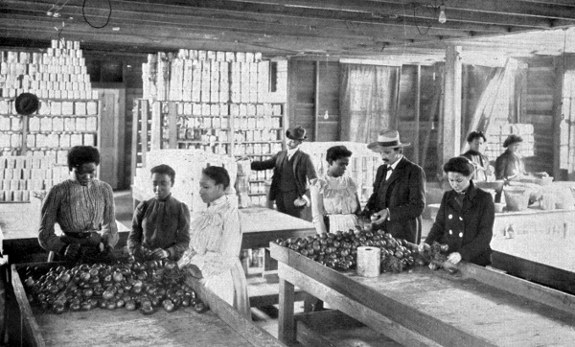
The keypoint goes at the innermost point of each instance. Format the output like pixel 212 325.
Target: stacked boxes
pixel 21 177
pixel 213 77
pixel 68 112
pixel 57 73
pixel 497 135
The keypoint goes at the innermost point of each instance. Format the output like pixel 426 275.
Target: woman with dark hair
pixel 510 165
pixel 483 171
pixel 160 226
pixel 334 199
pixel 83 206
pixel 215 241
pixel 465 218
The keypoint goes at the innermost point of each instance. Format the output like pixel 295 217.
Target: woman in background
pixel 335 203
pixel 215 241
pixel 509 165
pixel 483 171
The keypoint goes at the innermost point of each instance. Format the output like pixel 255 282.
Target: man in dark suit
pixel 292 171
pixel 398 195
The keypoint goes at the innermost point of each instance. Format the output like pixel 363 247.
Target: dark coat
pixel 404 195
pixel 508 164
pixel 303 170
pixel 467 230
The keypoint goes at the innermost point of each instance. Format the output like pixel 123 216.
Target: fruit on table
pixel 144 286
pixel 339 250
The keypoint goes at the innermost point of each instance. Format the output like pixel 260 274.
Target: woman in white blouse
pixel 334 199
pixel 215 241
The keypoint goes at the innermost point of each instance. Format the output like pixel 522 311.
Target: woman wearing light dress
pixel 215 241
pixel 335 203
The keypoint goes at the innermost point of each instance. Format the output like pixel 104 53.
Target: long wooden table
pixel 221 326
pixel 432 308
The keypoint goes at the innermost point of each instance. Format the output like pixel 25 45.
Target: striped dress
pixel 77 208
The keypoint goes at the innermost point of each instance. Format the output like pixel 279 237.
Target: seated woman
pixel 509 165
pixel 334 199
pixel 215 241
pixel 483 171
pixel 465 218
pixel 160 226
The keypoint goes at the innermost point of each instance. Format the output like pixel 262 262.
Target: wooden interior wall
pixel 305 108
pixel 328 124
pixel 301 95
pixel 539 108
pixel 428 115
pixel 125 70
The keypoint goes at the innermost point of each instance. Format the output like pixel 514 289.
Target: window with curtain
pixel 368 101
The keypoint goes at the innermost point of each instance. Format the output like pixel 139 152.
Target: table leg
pixel 286 323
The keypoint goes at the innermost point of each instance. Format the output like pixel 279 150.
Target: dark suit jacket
pixel 467 230
pixel 404 195
pixel 302 168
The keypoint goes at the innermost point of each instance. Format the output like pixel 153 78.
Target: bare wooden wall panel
pixel 541 81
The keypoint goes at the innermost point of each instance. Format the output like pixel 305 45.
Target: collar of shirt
pixel 394 165
pixel 291 152
pixel 219 201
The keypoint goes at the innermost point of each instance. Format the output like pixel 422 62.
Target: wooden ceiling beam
pixel 162 36
pixel 334 30
pixel 404 28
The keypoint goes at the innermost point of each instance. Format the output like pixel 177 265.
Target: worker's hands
pixel 380 217
pixel 72 251
pixel 158 254
pixel 302 201
pixel 194 271
pixel 423 247
pixel 454 258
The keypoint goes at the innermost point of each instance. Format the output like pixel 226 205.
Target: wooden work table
pixel 432 308
pixel 221 326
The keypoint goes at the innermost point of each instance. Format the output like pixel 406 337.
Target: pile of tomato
pixel 339 250
pixel 131 286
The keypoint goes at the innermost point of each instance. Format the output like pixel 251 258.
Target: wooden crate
pixel 221 326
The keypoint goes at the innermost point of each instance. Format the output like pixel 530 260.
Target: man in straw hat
pixel 398 195
pixel 292 171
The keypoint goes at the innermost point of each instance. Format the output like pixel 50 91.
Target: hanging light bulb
pixel 442 17
pixel 326 115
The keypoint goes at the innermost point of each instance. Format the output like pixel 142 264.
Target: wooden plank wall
pixel 541 82
pixel 427 110
pixel 302 101
pixel 328 100
pixel 127 70
pixel 301 95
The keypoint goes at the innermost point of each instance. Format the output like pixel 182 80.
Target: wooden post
pixel 558 114
pixel 144 131
pixel 286 324
pixel 316 103
pixel 156 126
pixel 135 118
pixel 172 125
pixel 416 148
pixel 451 130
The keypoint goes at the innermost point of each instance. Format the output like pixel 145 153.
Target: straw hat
pixel 387 139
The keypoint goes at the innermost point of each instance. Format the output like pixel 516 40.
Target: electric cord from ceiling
pixel 96 26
